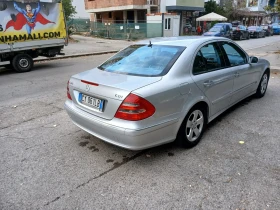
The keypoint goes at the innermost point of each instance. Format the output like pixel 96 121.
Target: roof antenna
pixel 150 44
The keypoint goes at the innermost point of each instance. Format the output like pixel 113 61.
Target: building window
pixel 167 24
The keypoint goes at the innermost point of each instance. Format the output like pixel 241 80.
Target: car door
pixel 212 77
pixel 245 75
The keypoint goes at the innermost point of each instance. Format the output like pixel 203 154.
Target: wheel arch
pixel 268 72
pixel 202 103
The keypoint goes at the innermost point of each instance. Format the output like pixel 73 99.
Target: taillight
pixel 135 108
pixel 68 92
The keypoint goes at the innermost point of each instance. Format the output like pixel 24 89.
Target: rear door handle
pixel 208 83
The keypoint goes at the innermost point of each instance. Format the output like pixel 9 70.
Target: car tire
pixel 22 63
pixel 248 37
pixel 196 119
pixel 240 37
pixel 263 85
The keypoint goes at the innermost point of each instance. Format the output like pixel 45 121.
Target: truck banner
pixel 22 21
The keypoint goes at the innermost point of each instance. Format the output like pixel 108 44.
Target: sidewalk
pixel 270 53
pixel 87 45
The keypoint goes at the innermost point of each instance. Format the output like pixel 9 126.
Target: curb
pixel 75 56
pixel 275 69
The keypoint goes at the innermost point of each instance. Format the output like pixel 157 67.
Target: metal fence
pixel 131 31
pixel 124 31
pixel 79 25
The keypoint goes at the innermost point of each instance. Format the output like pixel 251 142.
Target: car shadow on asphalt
pixel 170 148
pixel 232 109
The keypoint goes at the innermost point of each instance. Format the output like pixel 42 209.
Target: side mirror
pixel 254 60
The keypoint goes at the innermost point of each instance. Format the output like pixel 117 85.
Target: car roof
pixel 223 24
pixel 183 41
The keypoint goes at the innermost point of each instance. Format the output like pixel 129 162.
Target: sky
pixel 80 8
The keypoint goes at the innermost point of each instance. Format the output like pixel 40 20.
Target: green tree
pixel 212 6
pixel 233 9
pixel 274 9
pixel 69 9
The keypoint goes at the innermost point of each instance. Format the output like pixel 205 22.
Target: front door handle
pixel 208 83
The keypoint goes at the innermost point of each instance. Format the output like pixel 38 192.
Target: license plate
pixel 91 101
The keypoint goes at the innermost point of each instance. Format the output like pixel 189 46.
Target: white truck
pixel 29 29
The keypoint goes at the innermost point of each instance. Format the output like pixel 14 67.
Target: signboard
pixel 263 3
pixel 241 4
pixel 253 3
pixel 35 20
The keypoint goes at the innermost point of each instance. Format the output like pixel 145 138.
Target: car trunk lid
pixel 101 93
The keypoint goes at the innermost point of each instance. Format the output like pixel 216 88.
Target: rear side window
pixel 209 58
pixel 199 65
pixel 234 54
pixel 143 60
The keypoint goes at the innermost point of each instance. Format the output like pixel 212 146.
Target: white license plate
pixel 91 101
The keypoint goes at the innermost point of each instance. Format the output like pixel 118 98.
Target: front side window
pixel 199 65
pixel 209 52
pixel 234 54
pixel 143 60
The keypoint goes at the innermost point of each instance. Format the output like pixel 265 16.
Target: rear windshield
pixel 143 60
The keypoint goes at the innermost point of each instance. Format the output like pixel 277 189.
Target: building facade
pixel 136 11
pixel 252 12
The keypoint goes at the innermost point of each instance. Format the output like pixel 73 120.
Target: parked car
pixel 215 31
pixel 276 29
pixel 268 30
pixel 240 32
pixel 220 29
pixel 153 93
pixel 227 27
pixel 256 31
pixel 236 23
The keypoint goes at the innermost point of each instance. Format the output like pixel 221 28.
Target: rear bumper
pixel 253 34
pixel 126 138
pixel 235 36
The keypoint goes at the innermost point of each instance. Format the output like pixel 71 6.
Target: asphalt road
pixel 46 162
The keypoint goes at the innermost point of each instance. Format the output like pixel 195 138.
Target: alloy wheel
pixel 264 83
pixel 194 125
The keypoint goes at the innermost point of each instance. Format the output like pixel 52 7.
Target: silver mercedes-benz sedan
pixel 152 93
